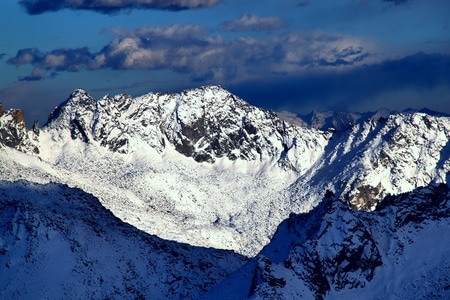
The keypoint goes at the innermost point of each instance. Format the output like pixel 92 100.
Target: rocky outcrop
pixel 14 132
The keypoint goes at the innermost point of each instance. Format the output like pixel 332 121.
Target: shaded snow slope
pixel 399 251
pixel 60 242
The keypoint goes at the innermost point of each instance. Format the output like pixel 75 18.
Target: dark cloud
pixel 396 2
pixel 189 49
pixel 2 55
pixel 303 3
pixel 415 80
pixel 64 59
pixel 253 23
pixel 26 56
pixel 36 75
pixel 35 7
pixel 173 33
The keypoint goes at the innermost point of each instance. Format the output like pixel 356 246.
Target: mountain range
pixel 247 203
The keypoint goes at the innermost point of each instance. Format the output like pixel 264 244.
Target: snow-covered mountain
pixel 340 120
pixel 203 168
pixel 58 242
pixel 206 168
pixel 399 251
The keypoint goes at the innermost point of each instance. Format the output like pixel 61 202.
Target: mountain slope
pixel 129 153
pixel 399 251
pixel 60 242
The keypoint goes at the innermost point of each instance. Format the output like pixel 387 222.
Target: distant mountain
pixel 61 243
pixel 399 251
pixel 340 120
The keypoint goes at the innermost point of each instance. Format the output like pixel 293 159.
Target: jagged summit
pixel 206 124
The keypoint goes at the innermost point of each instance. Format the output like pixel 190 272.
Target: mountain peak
pixel 80 96
pixel 205 123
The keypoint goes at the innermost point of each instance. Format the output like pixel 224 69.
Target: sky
pixel 294 55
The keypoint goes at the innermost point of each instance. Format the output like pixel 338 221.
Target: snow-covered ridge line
pixel 207 124
pixel 383 157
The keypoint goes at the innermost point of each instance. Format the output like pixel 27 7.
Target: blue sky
pixel 295 55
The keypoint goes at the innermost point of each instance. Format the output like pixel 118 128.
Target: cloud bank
pixel 35 7
pixel 417 80
pixel 190 49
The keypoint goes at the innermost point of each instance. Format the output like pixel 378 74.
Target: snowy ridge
pixel 380 157
pixel 205 168
pixel 60 242
pixel 399 251
pixel 206 124
pixel 143 155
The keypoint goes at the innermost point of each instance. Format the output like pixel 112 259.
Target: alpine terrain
pixel 199 194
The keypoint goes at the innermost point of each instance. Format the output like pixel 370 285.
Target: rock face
pixel 333 252
pixel 14 132
pixel 60 242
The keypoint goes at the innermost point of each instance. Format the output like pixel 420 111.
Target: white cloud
pixel 253 23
